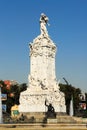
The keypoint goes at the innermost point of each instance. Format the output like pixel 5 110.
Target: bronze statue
pixel 51 111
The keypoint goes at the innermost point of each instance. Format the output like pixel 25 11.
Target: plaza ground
pixel 43 126
pixel 43 129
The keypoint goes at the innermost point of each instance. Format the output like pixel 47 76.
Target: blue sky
pixel 19 25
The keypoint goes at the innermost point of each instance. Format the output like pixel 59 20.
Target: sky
pixel 19 25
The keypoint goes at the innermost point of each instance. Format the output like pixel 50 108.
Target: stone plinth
pixel 52 121
pixel 42 80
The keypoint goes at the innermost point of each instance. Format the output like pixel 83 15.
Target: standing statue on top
pixel 43 21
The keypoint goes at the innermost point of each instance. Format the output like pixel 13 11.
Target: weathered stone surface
pixel 43 85
pixel 52 121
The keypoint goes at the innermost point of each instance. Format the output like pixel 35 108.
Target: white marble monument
pixel 43 86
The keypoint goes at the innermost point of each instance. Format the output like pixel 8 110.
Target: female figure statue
pixel 43 21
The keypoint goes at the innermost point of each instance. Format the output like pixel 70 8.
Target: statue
pixel 43 21
pixel 51 111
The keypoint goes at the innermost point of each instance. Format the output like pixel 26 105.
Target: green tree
pixel 70 91
pixel 13 93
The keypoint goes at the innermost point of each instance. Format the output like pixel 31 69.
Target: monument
pixel 43 86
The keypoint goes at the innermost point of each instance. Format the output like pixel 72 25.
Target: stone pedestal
pixel 52 121
pixel 42 80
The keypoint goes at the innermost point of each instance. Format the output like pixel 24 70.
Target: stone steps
pixel 40 117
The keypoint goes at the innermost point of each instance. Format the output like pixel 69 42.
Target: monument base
pixel 33 100
pixel 40 117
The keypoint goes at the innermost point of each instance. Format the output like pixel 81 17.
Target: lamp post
pixel 0 106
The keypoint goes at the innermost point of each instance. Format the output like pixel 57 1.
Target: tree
pixel 70 91
pixel 13 92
